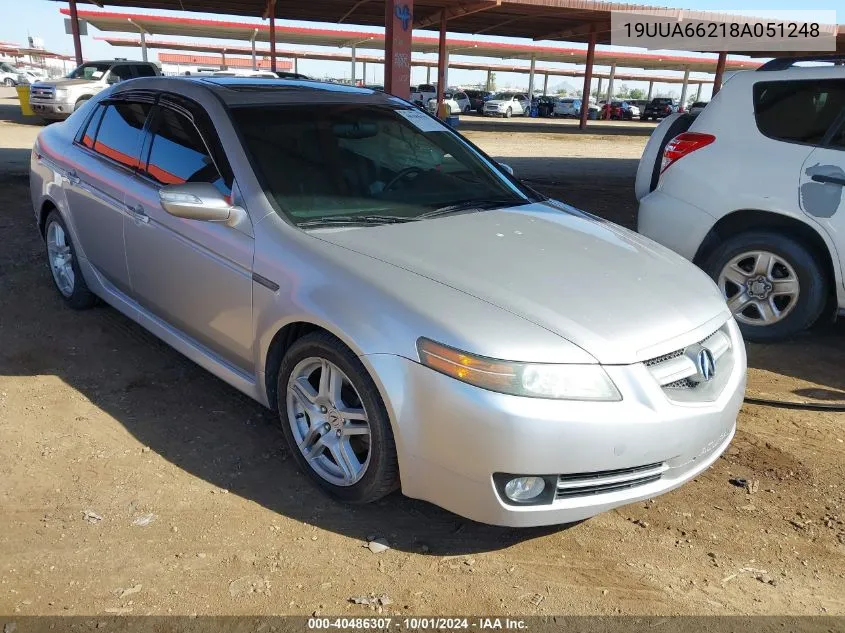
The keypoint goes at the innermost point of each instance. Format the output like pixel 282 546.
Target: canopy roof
pixel 422 43
pixel 219 49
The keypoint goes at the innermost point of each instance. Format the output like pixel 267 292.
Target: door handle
pixel 138 212
pixel 831 180
pixel 73 177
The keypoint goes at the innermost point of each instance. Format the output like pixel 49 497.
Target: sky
pixel 41 18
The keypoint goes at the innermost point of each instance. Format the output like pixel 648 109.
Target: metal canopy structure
pixel 421 43
pixel 226 52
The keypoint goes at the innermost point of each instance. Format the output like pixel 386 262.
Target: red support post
pixel 720 70
pixel 398 31
pixel 442 60
pixel 588 80
pixel 271 13
pixel 74 27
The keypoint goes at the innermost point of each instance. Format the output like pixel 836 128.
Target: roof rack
pixel 784 63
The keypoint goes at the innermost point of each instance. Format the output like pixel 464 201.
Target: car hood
pixel 612 292
pixel 496 102
pixel 66 83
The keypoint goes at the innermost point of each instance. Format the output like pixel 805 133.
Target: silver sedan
pixel 418 318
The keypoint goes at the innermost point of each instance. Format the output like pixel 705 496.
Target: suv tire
pixel 811 277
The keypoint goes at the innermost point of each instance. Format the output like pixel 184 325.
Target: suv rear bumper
pixel 674 223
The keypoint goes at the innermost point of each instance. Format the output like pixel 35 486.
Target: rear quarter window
pixel 798 111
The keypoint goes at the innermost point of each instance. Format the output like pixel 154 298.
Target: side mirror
pixel 507 168
pixel 199 201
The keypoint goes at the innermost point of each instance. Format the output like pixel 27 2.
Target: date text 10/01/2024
pixel 415 623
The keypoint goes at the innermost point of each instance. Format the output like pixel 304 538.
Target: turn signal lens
pixel 560 382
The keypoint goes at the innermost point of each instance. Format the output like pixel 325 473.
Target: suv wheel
pixel 335 421
pixel 79 103
pixel 774 286
pixel 9 82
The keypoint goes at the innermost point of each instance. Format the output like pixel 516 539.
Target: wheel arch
pixel 47 205
pixel 753 219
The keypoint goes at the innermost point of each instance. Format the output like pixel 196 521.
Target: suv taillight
pixel 683 145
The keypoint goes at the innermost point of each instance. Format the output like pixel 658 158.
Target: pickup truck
pixel 422 93
pixel 57 99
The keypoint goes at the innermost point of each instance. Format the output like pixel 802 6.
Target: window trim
pixel 824 142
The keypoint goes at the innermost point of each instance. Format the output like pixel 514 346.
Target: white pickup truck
pixel 422 93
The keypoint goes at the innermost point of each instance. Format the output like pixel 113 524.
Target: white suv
pixel 751 190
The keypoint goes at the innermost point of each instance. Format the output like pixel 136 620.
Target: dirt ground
pixel 135 482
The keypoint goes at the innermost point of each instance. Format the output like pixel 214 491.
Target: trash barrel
pixel 23 97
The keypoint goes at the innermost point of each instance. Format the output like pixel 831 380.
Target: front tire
pixel 335 421
pixel 64 265
pixel 9 82
pixel 508 113
pixel 774 286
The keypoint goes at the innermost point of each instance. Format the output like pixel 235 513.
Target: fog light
pixel 524 488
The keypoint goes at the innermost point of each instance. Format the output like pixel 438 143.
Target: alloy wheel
pixel 60 258
pixel 329 421
pixel 761 288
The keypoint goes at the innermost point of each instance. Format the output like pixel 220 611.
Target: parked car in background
pixel 9 74
pixel 29 76
pixel 286 74
pixel 244 72
pixel 619 110
pixel 659 108
pixel 378 87
pixel 58 98
pixel 697 107
pixel 457 102
pixel 567 107
pixel 477 99
pixel 546 105
pixel 404 307
pixel 506 104
pixel 423 93
pixel 751 190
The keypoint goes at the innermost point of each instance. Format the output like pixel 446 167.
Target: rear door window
pixel 798 111
pixel 121 72
pixel 144 70
pixel 121 131
pixel 178 153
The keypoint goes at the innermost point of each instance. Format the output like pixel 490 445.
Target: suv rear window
pixel 798 111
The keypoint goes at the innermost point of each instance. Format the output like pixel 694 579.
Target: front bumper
pixel 51 109
pixel 452 438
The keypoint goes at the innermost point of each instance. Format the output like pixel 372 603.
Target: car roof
pixel 262 90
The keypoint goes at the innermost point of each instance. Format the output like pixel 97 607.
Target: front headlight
pixel 559 382
pixel 61 94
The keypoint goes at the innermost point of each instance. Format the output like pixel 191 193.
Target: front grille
pixel 675 371
pixel 604 481
pixel 41 92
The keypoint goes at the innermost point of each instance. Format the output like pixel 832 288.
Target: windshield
pixel 94 70
pixel 503 96
pixel 350 161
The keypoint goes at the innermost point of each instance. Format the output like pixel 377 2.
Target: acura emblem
pixel 705 364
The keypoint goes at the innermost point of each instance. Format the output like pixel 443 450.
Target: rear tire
pixel 323 426
pixel 792 263
pixel 64 265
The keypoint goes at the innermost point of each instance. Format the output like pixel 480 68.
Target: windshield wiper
pixel 476 204
pixel 351 220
